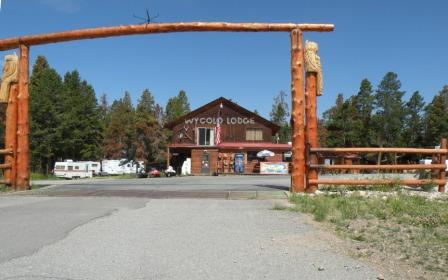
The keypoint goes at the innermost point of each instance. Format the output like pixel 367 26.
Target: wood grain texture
pixel 311 126
pixel 23 129
pixel 122 30
pixel 11 135
pixel 409 182
pixel 297 113
pixel 442 175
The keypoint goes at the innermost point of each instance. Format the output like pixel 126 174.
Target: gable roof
pixel 229 104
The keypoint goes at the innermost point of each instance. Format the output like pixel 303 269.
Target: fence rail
pixel 410 182
pixel 438 166
pixel 380 150
pixel 5 151
pixel 379 167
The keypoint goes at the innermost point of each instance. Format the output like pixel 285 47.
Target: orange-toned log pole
pixel 410 182
pixel 311 126
pixel 297 113
pixel 381 167
pixel 443 145
pixel 23 171
pixel 380 150
pixel 11 135
pixel 103 32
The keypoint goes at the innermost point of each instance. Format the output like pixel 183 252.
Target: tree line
pixel 375 118
pixel 68 122
pixel 382 118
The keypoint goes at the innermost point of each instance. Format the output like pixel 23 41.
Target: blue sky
pixel 370 39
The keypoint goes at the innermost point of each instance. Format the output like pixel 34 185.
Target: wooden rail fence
pixel 438 165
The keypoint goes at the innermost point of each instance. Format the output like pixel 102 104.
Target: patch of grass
pixel 428 187
pixel 4 188
pixel 41 176
pixel 382 188
pixel 412 228
pixel 126 176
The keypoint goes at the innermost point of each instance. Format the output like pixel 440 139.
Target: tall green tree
pixel 176 107
pixel 389 112
pixel 342 124
pixel 120 133
pixel 80 128
pixel 363 102
pixel 45 95
pixel 280 116
pixel 149 134
pixel 413 125
pixel 436 118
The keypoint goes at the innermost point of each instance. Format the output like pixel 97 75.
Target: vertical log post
pixel 443 145
pixel 297 113
pixel 311 127
pixel 23 171
pixel 11 135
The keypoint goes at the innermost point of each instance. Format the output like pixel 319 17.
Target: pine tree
pixel 436 118
pixel 80 129
pixel 45 95
pixel 389 113
pixel 176 107
pixel 413 130
pixel 363 103
pixel 120 133
pixel 279 115
pixel 146 140
pixel 342 124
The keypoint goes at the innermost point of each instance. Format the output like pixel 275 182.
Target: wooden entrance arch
pixel 16 165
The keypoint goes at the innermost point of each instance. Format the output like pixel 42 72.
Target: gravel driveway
pixel 130 238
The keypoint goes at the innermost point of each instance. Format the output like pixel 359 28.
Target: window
pixel 287 157
pixel 94 165
pixel 59 167
pixel 252 156
pixel 254 134
pixel 206 136
pixel 70 167
pixel 76 167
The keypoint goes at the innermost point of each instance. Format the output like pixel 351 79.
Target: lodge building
pixel 222 137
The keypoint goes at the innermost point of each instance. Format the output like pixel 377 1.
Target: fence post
pixel 442 157
pixel 311 127
pixel 11 135
pixel 297 113
pixel 23 160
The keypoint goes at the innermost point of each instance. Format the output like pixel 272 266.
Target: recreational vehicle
pixel 72 170
pixel 94 166
pixel 120 167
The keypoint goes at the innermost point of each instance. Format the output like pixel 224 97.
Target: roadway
pixel 90 229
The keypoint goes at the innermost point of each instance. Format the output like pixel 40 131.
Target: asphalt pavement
pixel 218 187
pixel 141 238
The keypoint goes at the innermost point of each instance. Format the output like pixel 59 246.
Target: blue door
pixel 239 163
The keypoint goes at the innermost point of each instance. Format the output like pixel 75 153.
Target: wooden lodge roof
pixel 225 102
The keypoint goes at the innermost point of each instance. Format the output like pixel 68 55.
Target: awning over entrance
pixel 254 146
pixel 238 145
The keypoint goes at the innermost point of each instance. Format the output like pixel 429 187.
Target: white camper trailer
pixel 94 166
pixel 120 167
pixel 72 170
